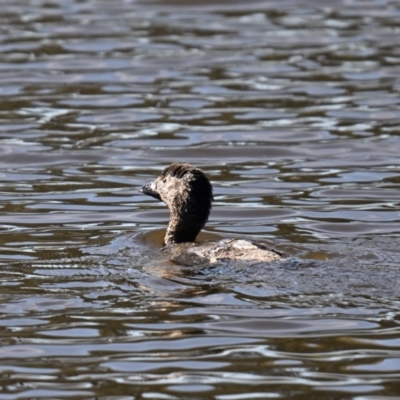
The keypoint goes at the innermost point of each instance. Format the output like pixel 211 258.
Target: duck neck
pixel 188 214
pixel 182 229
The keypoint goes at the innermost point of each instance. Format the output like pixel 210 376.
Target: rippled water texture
pixel 292 109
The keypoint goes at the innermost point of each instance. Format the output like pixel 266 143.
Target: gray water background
pixel 292 110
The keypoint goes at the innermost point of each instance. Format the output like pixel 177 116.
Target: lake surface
pixel 291 108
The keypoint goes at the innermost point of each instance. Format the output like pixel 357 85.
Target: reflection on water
pixel 290 107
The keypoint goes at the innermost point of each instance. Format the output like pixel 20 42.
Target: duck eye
pixel 164 180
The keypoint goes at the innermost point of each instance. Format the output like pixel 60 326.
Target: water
pixel 290 107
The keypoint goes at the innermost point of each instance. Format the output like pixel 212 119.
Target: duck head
pixel 187 192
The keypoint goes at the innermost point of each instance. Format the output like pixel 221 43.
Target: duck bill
pixel 150 190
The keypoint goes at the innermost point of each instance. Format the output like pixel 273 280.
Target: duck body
pixel 187 192
pixel 238 251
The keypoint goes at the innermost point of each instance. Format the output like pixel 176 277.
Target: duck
pixel 188 194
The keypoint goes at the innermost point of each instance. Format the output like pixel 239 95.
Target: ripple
pixel 290 108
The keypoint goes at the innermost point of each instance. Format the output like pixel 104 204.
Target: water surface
pixel 291 108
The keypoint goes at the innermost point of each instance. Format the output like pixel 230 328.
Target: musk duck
pixel 188 194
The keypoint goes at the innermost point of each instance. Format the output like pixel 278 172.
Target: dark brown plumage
pixel 188 194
